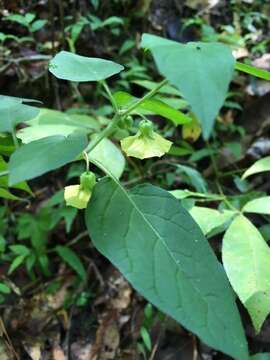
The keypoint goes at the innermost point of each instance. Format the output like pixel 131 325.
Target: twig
pixel 110 95
pixel 54 82
pixel 61 13
pixel 155 348
pixel 76 295
pixel 27 58
pixel 4 331
pixel 146 97
pixel 77 238
pixel 195 348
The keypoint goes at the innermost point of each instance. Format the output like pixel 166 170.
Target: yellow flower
pixel 76 196
pixel 146 143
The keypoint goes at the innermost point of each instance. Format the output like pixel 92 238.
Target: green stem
pixel 217 176
pixel 110 95
pixel 71 45
pixel 213 160
pixel 15 140
pixel 118 116
pixel 86 160
pixel 143 99
pixel 232 172
pixel 104 133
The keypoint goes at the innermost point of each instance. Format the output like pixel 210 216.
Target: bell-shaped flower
pixel 76 196
pixel 146 143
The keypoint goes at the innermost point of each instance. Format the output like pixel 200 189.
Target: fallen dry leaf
pixel 262 62
pixel 240 53
pixel 33 350
pixel 107 339
pixel 201 4
pixel 81 350
pixel 123 294
pixel 5 353
pixel 58 353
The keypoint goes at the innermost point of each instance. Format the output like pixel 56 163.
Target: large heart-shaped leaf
pixel 201 71
pixel 246 258
pixel 160 249
pixel 40 156
pixel 68 66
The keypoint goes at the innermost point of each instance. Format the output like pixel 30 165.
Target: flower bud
pixel 88 180
pixel 146 128
pixel 78 196
pixel 126 123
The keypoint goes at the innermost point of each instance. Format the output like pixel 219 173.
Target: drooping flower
pixel 76 196
pixel 79 195
pixel 146 143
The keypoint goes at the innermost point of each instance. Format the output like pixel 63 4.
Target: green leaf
pixel 6 144
pixel 30 261
pixel 13 111
pixel 72 67
pixel 22 20
pixel 33 133
pixel 68 213
pixel 70 257
pixel 109 155
pixel 259 206
pixel 146 338
pixel 259 166
pixel 16 263
pixel 265 231
pixel 159 248
pixel 54 117
pixel 4 180
pixel 201 71
pixel 95 3
pixel 260 73
pixel 179 151
pixel 194 177
pixel 6 194
pixel 29 17
pixel 40 156
pixel 153 106
pixel 2 244
pixel 246 258
pixel 4 289
pixel 261 356
pixel 56 199
pixel 150 85
pixel 44 264
pixel 182 194
pixel 19 249
pixel 38 24
pixel 210 219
